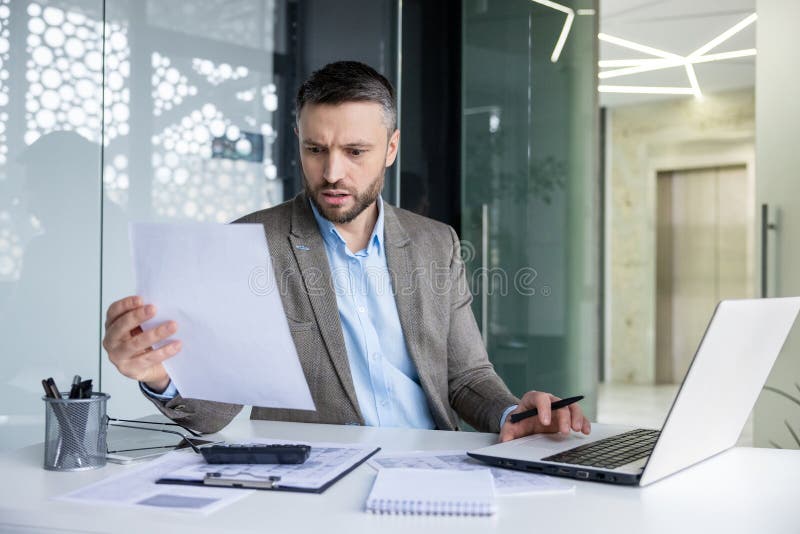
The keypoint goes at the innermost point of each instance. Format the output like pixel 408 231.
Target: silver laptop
pixel 721 386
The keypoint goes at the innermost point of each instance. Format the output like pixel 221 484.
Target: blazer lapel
pixel 312 259
pixel 408 296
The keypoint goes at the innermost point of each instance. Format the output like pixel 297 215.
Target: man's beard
pixel 362 200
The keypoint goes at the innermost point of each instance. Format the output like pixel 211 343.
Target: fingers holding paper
pixel 130 348
pixel 563 420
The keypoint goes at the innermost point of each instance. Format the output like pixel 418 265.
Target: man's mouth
pixel 335 197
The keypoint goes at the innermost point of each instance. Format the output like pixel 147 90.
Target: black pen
pixel 75 390
pixel 47 391
pixel 55 393
pixel 85 389
pixel 517 417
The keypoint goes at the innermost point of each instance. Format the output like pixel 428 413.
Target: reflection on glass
pixel 193 101
pixel 65 74
pixel 5 46
pixel 201 140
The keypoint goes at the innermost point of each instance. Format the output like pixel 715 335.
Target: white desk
pixel 740 491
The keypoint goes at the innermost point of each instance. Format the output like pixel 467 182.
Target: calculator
pixel 256 454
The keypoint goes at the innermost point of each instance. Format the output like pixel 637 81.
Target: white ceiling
pixel 679 27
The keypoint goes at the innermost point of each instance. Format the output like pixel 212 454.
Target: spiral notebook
pixel 432 492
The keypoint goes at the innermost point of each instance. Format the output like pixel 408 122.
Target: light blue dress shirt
pixel 385 379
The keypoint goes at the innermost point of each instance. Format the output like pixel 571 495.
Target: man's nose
pixel 334 168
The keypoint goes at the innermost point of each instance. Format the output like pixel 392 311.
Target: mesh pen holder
pixel 75 433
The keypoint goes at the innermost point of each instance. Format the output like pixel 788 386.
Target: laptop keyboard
pixel 610 452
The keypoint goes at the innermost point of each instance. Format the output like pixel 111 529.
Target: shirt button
pixel 384 403
pixel 376 357
pixel 361 309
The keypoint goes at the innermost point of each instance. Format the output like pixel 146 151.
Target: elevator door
pixel 702 248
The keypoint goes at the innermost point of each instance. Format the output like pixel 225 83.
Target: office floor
pixel 645 406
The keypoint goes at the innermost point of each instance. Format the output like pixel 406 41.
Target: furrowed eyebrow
pixel 359 144
pixel 355 144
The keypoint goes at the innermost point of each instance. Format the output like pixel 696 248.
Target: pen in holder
pixel 75 433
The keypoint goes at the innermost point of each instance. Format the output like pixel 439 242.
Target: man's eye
pixel 356 152
pixel 314 149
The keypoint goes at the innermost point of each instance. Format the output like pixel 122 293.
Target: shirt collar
pixel 332 236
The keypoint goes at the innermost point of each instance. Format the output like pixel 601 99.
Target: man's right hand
pixel 130 348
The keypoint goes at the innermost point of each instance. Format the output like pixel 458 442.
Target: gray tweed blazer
pixel 433 302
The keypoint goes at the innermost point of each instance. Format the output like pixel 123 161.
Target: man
pixel 376 297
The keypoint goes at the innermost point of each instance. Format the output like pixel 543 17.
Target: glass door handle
pixel 485 274
pixel 766 226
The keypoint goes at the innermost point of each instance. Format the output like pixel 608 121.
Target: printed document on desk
pixel 217 283
pixel 506 481
pixel 327 463
pixel 136 486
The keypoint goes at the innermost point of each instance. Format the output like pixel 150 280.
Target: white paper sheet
pixel 506 481
pixel 217 283
pixel 136 487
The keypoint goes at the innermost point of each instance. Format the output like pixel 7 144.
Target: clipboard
pixel 214 475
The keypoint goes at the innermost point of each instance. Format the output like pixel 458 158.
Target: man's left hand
pixel 547 421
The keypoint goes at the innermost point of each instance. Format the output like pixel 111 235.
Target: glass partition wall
pixel 51 79
pixel 130 110
pixel 529 208
pixel 201 123
pixel 196 98
pixel 111 112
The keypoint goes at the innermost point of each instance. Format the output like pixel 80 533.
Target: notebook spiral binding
pixel 419 507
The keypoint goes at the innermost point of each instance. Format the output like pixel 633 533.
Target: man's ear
pixel 394 145
pixel 296 133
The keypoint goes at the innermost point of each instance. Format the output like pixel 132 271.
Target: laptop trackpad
pixel 550 442
pixel 546 444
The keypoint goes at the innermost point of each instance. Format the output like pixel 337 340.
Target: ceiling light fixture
pixel 658 64
pixel 609 63
pixel 647 90
pixel 724 55
pixel 635 66
pixel 724 36
pixel 562 38
pixel 693 81
pixel 666 60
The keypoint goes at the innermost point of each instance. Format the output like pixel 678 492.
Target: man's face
pixel 344 151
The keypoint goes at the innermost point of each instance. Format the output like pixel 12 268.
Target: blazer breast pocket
pixel 301 326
